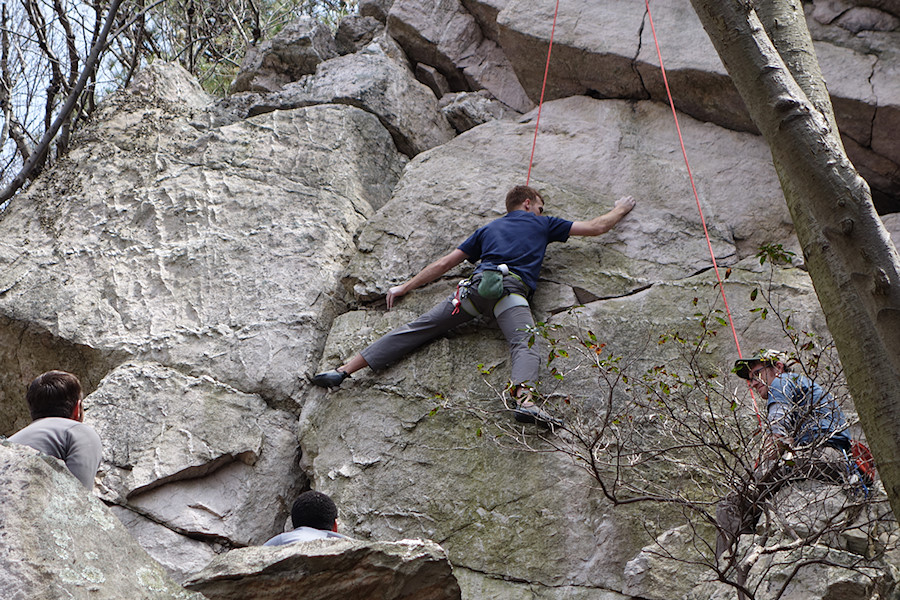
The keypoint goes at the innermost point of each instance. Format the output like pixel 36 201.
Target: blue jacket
pixel 799 408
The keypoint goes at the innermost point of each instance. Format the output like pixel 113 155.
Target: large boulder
pixel 329 569
pixel 443 35
pixel 589 152
pixel 369 80
pixel 465 110
pixel 606 49
pixel 295 51
pixel 212 250
pixel 211 462
pixel 61 542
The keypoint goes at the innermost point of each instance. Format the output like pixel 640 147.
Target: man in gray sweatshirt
pixel 55 402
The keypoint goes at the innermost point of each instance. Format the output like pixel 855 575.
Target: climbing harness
pixel 509 301
pixel 505 301
pixel 461 299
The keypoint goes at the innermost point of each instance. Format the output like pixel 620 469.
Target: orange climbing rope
pixel 683 153
pixel 687 164
pixel 543 87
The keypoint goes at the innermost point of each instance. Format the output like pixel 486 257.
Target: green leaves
pixel 775 254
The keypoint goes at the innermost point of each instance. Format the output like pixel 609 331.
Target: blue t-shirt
pixel 800 408
pixel 519 240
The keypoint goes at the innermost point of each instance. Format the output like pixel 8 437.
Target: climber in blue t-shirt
pixel 509 251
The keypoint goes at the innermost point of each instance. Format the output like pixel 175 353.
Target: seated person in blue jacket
pixel 314 517
pixel 510 250
pixel 807 426
pixel 55 402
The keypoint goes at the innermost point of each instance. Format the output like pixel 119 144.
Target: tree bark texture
pixel 852 262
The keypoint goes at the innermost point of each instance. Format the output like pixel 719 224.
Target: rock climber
pixel 810 438
pixel 510 250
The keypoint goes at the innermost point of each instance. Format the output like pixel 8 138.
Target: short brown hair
pixel 518 195
pixel 53 394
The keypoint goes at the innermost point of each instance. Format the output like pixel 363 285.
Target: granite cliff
pixel 195 259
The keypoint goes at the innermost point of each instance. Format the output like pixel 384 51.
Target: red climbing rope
pixel 686 163
pixel 541 102
pixel 697 196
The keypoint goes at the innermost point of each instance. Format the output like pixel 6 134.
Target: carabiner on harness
pixel 462 290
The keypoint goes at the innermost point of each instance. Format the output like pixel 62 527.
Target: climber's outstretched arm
pixel 426 275
pixel 604 223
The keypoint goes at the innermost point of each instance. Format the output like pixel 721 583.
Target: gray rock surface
pixel 485 13
pixel 372 81
pixel 329 569
pixel 444 35
pixel 294 52
pixel 215 251
pixel 892 224
pixel 61 542
pixel 180 555
pixel 355 32
pixel 465 110
pixel 208 460
pixel 653 576
pixel 377 9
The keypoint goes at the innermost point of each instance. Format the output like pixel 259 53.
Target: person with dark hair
pixel 509 251
pixel 313 516
pixel 810 441
pixel 55 402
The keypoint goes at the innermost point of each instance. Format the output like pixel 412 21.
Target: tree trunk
pixel 852 263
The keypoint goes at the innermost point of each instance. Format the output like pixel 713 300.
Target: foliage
pixel 45 47
pixel 209 39
pixel 677 431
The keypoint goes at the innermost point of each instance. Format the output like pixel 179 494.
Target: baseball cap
pixel 766 355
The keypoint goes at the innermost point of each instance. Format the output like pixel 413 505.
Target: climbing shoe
pixel 330 379
pixel 537 415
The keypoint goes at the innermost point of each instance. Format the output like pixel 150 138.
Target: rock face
pixel 502 520
pixel 194 260
pixel 580 168
pixel 60 542
pixel 445 36
pixel 229 465
pixel 328 569
pixel 373 82
pixel 215 243
pixel 294 52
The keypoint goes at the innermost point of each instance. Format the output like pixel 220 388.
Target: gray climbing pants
pixel 738 513
pixel 513 318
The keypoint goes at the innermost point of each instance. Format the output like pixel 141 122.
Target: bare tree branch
pixel 35 161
